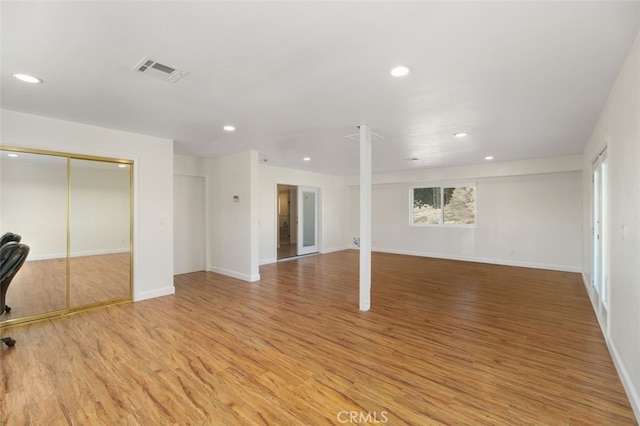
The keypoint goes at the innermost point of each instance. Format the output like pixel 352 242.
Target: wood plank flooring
pixel 287 250
pixel 444 343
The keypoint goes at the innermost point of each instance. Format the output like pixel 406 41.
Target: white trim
pixel 442 225
pixel 332 250
pixel 442 185
pixel 587 287
pixel 627 383
pixel 234 274
pixel 268 261
pixel 302 256
pixel 135 279
pixel 77 254
pixel 562 268
pixel 151 294
pixel 276 223
pixel 46 256
pixel 99 252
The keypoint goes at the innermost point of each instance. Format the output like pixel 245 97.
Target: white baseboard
pixel 235 274
pixel 46 256
pixel 632 394
pixel 627 384
pixel 562 268
pixel 332 250
pixel 268 261
pixel 76 254
pixel 151 294
pixel 588 288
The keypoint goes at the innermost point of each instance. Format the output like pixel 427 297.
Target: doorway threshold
pixel 300 256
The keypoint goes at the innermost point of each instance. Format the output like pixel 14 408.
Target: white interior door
pixel 308 209
pixel 188 224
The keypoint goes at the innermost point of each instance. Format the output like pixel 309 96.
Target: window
pixel 449 205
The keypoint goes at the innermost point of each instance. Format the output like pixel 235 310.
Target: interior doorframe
pixel 599 239
pixel 276 223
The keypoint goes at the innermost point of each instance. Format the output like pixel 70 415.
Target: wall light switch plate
pixel 624 232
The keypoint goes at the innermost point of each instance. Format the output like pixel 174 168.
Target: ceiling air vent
pixel 151 67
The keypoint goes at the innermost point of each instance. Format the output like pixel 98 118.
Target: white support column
pixel 365 217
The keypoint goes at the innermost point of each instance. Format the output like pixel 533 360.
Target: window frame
pixel 441 186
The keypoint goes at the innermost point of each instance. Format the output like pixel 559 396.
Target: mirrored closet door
pixel 99 232
pixel 33 204
pixel 75 214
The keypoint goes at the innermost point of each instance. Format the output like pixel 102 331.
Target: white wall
pixel 100 213
pixel 153 185
pixel 189 166
pixel 234 225
pixel 32 184
pixel 531 220
pixel 618 128
pixel 333 208
pixel 28 189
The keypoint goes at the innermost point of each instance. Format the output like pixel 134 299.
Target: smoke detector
pixel 165 72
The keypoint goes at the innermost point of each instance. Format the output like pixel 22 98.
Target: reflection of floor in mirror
pixel 98 278
pixel 41 285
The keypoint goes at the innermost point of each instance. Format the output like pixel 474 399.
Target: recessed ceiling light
pixel 306 159
pixel 229 128
pixel 12 155
pixel 460 135
pixel 400 71
pixel 28 78
pixel 489 157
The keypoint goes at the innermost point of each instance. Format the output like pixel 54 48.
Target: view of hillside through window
pixel 444 205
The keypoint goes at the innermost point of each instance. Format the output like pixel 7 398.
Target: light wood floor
pixel 444 343
pixel 287 249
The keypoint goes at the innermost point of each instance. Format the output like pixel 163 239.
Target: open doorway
pixel 287 221
pixel 297 213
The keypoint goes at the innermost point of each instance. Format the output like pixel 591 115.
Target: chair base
pixel 8 341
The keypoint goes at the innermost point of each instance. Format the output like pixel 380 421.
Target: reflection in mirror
pixel 100 232
pixel 33 204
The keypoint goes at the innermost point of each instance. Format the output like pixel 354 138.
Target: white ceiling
pixel 524 79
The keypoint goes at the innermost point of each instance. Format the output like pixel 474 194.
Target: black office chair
pixel 12 257
pixel 9 236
